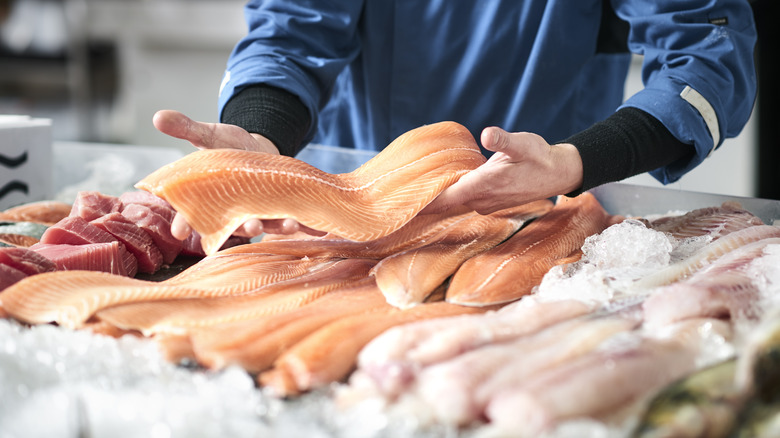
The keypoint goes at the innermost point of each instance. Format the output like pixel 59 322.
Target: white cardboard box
pixel 25 160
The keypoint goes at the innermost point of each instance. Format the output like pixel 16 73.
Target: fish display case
pixel 96 386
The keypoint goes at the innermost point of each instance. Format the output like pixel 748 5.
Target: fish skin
pixel 372 201
pixel 180 315
pixel 330 353
pixel 706 256
pixel 758 368
pixel 757 419
pixel 407 278
pixel 703 404
pixel 715 221
pixel 69 298
pixel 511 269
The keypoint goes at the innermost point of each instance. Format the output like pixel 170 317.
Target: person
pixel 539 83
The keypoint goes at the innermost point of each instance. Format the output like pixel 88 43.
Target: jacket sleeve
pixel 298 46
pixel 698 70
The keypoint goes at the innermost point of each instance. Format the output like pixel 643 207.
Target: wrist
pixel 568 166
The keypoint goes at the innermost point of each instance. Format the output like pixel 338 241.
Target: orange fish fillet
pixel 69 298
pixel 18 240
pixel 218 190
pixel 408 277
pixel 255 344
pixel 330 353
pixel 179 315
pixel 42 212
pixel 513 268
pixel 415 233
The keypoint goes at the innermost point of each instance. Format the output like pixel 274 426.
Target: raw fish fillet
pixel 157 227
pixel 511 269
pixel 26 260
pixel 457 390
pixel 256 344
pixel 707 255
pixel 41 212
pixel 69 298
pixel 715 222
pixel 408 277
pixel 19 240
pixel 104 257
pixel 136 240
pixel 90 205
pixel 393 358
pixel 74 230
pixel 599 383
pixel 180 315
pixel 8 276
pixel 722 289
pixel 218 190
pixel 148 200
pixel 330 353
pixel 412 235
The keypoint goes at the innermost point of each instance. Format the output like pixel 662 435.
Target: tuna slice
pixel 26 260
pixel 74 230
pixel 217 190
pixel 104 257
pixel 92 205
pixel 9 276
pixel 157 227
pixel 157 204
pixel 137 241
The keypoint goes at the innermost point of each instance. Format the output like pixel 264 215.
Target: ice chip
pixel 628 244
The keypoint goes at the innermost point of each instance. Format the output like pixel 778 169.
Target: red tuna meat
pixel 9 276
pixel 157 227
pixel 26 260
pixel 136 240
pixel 92 205
pixel 104 257
pixel 156 203
pixel 74 230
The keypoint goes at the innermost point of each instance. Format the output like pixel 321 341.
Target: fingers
pixel 176 124
pixel 180 229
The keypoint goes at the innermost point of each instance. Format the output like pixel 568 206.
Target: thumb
pixel 495 139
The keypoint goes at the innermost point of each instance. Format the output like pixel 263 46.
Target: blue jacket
pixel 369 71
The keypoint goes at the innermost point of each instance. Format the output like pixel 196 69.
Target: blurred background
pixel 101 68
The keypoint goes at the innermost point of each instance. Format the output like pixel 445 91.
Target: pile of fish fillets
pixel 509 320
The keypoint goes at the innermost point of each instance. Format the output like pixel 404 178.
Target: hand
pixel 524 168
pixel 215 136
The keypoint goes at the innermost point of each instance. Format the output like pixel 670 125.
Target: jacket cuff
pixel 627 143
pixel 274 113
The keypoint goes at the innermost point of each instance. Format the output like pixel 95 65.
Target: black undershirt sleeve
pixel 274 113
pixel 627 143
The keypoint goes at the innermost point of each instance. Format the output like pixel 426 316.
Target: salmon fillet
pixel 408 277
pixel 218 190
pixel 513 268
